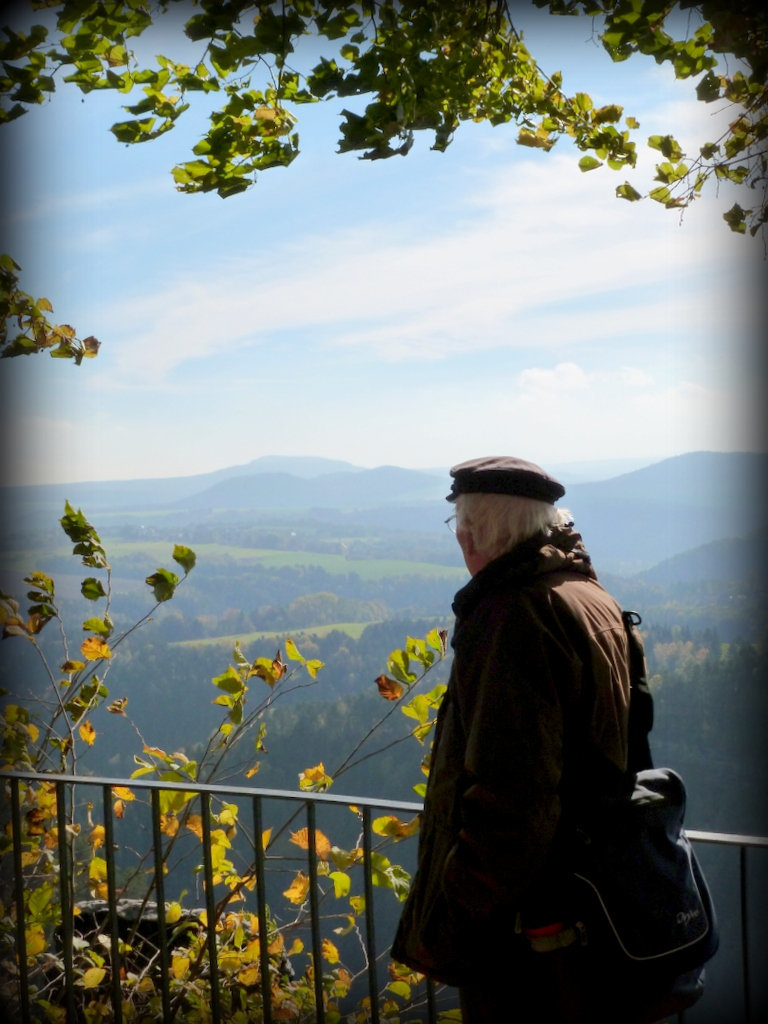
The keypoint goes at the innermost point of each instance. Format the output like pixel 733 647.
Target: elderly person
pixel 538 643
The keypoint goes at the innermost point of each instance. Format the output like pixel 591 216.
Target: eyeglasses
pixel 450 522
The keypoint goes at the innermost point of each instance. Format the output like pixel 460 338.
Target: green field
pixel 160 553
pixel 352 629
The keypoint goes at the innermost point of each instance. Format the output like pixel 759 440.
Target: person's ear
pixel 466 541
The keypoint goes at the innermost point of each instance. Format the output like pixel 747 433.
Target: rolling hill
pixel 630 522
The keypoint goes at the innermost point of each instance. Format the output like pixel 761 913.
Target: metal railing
pixel 102 813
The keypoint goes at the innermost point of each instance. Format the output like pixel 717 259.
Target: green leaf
pixel 239 658
pixel 667 145
pixel 87 541
pixel 589 163
pixel 626 191
pixel 399 666
pixel 229 681
pixel 608 114
pixel 92 589
pixel 341 883
pixel 101 627
pixel 708 88
pixel 163 583
pixel 735 218
pixel 185 557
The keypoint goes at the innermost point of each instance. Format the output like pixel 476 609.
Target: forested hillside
pixel 704 645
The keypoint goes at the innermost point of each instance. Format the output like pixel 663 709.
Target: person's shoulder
pixel 587 600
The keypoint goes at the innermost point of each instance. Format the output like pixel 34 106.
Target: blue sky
pixel 415 311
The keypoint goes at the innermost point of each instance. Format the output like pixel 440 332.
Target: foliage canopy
pixel 422 66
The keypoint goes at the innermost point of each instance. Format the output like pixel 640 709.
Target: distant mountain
pixel 630 522
pixel 363 488
pixel 112 495
pixel 297 465
pixel 736 559
pixel 636 520
pixel 591 470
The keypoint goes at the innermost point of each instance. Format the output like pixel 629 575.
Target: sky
pixel 413 312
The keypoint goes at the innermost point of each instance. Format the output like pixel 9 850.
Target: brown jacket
pixel 538 644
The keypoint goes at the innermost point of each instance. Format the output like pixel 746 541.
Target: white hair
pixel 499 522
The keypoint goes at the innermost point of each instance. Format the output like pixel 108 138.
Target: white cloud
pixel 564 378
pixel 533 240
pixel 571 379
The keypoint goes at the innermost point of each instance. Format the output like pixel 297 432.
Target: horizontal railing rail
pixel 308 803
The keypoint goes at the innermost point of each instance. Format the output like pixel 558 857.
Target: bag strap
pixel 640 698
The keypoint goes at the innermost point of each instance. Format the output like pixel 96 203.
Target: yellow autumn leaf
pixel 179 966
pixel 87 732
pixel 390 825
pixel 35 820
pixel 45 798
pixel 93 648
pixel 146 985
pixel 96 836
pixel 97 869
pixel 195 824
pixel 292 650
pixel 322 843
pixel 296 948
pixel 169 824
pixel 123 793
pixel 119 808
pixel 316 774
pixel 330 953
pixel 35 940
pixel 249 975
pixel 252 950
pixel 297 890
pixel 93 977
pixel 266 835
pixel 173 913
pixel 228 814
pixel 71 666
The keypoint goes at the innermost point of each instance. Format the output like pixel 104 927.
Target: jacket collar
pixel 560 551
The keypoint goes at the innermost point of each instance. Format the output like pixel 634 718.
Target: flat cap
pixel 504 474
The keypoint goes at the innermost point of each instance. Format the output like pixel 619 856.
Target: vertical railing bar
pixel 114 935
pixel 21 932
pixel 431 1004
pixel 67 910
pixel 314 909
pixel 157 847
pixel 370 930
pixel 261 910
pixel 210 908
pixel 745 933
